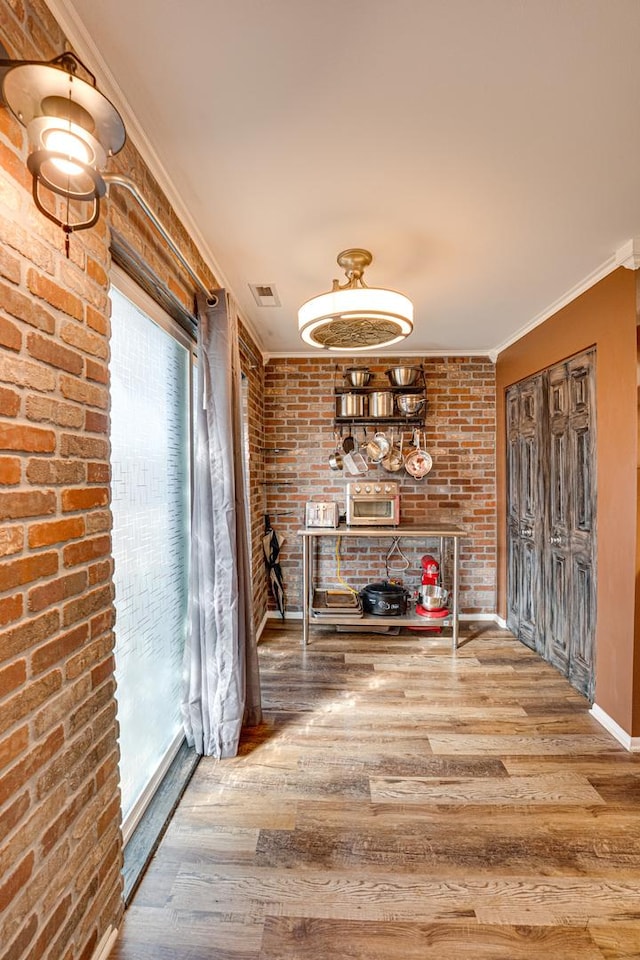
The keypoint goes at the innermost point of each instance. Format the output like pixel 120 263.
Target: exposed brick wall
pixel 60 843
pixel 460 489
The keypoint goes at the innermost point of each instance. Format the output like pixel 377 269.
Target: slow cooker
pixel 384 599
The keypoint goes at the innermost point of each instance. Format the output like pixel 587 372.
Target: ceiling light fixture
pixel 353 316
pixel 73 129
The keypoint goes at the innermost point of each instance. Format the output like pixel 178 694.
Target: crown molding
pixel 589 281
pixel 83 44
pixel 628 255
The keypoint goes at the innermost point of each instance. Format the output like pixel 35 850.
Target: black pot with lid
pixel 384 599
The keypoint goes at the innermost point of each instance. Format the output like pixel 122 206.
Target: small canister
pixel 381 404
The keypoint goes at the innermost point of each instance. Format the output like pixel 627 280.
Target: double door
pixel 551 492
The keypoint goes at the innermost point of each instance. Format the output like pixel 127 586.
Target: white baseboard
pixel 105 946
pixel 632 744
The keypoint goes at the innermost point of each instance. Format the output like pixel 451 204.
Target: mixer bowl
pixel 433 597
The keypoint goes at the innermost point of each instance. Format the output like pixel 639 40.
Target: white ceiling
pixel 486 151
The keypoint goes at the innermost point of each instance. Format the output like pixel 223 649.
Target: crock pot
pixel 384 599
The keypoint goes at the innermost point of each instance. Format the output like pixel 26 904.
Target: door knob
pixel 555 541
pixel 527 531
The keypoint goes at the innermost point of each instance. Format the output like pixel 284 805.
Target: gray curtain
pixel 221 679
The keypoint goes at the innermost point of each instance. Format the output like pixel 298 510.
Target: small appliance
pixel 384 599
pixel 432 598
pixel 322 513
pixel 373 504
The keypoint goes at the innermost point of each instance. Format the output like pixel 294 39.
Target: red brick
pixel 86 550
pixel 55 531
pixel 44 471
pixel 42 348
pixel 16 881
pixel 82 392
pixel 12 677
pixel 96 371
pixel 10 609
pixel 27 700
pixel 91 448
pixel 97 320
pixel 13 814
pixel 104 621
pixel 10 469
pixel 46 409
pixel 35 760
pixel 56 590
pixel 84 499
pixel 31 439
pixel 32 503
pixel 78 336
pixel 11 164
pixel 54 294
pixel 99 572
pixel 98 473
pixel 27 569
pixel 86 605
pixel 25 373
pixel 10 336
pixel 9 402
pixel 13 745
pixel 58 649
pixel 25 308
pixel 97 272
pixel 9 265
pixel 11 540
pixel 96 422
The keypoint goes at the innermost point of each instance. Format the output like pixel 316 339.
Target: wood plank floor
pixel 401 803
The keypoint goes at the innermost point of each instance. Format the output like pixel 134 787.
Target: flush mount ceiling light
pixel 353 316
pixel 72 130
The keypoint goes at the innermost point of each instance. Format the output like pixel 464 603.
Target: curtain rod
pixel 120 180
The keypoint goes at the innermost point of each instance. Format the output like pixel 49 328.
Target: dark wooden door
pixel 526 511
pixel 551 490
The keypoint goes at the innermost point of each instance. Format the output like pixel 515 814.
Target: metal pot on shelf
pixel 358 376
pixel 380 404
pixel 351 405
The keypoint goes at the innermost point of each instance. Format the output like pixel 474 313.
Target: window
pixel 150 453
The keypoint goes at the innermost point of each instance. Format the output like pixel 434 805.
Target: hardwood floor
pixel 401 803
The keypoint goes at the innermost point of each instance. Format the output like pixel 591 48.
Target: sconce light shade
pixel 72 128
pixel 353 316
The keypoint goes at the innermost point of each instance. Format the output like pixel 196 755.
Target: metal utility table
pixel 311 535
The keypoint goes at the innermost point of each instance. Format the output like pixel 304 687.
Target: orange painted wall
pixel 604 316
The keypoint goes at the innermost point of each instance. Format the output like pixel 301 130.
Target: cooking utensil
pixel 335 460
pixel 418 463
pixel 403 376
pixel 355 464
pixel 393 460
pixel 384 599
pixel 358 376
pixel 409 403
pixel 348 444
pixel 377 448
pixel 381 404
pixel 351 405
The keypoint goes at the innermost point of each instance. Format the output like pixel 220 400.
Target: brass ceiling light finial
pixel 353 316
pixel 73 129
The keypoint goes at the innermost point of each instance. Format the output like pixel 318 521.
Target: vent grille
pixel 265 294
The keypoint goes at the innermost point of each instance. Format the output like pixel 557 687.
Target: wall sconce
pixel 72 128
pixel 353 316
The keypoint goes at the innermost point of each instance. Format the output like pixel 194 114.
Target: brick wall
pixel 60 843
pixel 460 489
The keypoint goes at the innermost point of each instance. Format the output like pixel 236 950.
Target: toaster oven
pixel 373 504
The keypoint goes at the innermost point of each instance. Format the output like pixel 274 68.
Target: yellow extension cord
pixel 338 575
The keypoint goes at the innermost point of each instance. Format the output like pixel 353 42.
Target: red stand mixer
pixel 432 600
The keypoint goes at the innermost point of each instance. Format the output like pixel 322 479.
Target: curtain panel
pixel 221 678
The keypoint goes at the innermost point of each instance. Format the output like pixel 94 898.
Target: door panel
pixel 551 515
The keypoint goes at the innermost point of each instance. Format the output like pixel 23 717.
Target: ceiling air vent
pixel 265 294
